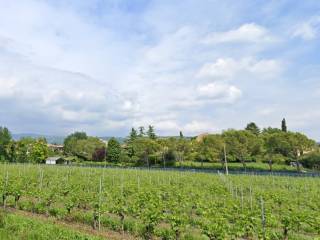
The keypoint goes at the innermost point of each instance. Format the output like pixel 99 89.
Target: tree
pixel 39 151
pixel 270 130
pixel 284 125
pixel 211 148
pixel 311 160
pixel 151 134
pixel 278 143
pixel 141 131
pixel 142 150
pixel 70 141
pixel 99 154
pixel 11 151
pixel 182 148
pixel 180 134
pixel 252 127
pixel 76 135
pixel 133 134
pixel 242 145
pixel 5 138
pixel 86 148
pixel 114 150
pixel 289 145
pixel 299 143
pixel 23 148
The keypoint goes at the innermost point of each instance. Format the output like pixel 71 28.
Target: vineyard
pixel 167 205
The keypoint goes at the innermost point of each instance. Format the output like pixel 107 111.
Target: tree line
pixel 143 147
pixel 26 150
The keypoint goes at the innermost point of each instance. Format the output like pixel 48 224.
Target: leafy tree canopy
pixel 114 150
pixel 252 127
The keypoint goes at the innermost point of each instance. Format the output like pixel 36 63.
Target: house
pixel 201 137
pixel 55 160
pixel 55 148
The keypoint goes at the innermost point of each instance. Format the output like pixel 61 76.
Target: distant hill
pixel 54 139
pixel 59 139
pixel 50 138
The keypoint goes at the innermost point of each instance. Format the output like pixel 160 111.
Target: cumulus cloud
pixel 220 92
pixel 192 128
pixel 226 68
pixel 53 95
pixel 307 30
pixel 246 33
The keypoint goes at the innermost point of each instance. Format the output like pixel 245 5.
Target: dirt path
pixel 82 228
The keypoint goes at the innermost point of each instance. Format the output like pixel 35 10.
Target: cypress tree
pixel 284 125
pixel 151 134
pixel 133 134
pixel 141 131
pixel 181 134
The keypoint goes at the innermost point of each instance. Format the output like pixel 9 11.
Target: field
pixel 158 205
pixel 15 226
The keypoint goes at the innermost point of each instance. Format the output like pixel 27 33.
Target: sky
pixel 194 65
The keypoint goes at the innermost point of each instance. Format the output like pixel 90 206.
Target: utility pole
pixel 225 159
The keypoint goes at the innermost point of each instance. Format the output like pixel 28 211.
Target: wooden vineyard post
pixel 40 182
pixel 251 200
pixel 225 159
pixel 263 219
pixel 241 198
pixel 99 210
pixel 41 179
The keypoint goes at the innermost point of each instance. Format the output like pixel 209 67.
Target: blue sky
pixel 194 65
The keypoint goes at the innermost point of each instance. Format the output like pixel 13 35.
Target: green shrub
pixel 311 160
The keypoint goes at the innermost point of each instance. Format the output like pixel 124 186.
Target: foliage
pixel 38 151
pixel 252 127
pixel 311 160
pixel 242 145
pixel 84 147
pixel 180 134
pixel 99 154
pixel 5 139
pixel 114 150
pixel 71 140
pixel 141 131
pixel 271 145
pixel 141 149
pixel 284 125
pixel 150 133
pixel 211 148
pixel 133 134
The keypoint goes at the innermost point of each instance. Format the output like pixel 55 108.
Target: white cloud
pixel 7 87
pixel 219 92
pixel 247 33
pixel 194 127
pixel 307 30
pixel 197 127
pixel 227 68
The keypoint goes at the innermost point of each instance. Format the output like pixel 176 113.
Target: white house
pixel 55 160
